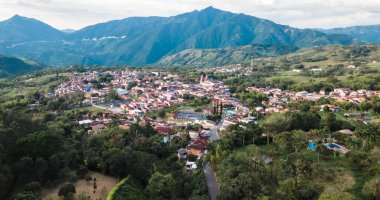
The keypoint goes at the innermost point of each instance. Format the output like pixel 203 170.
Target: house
pixel 86 122
pixel 194 134
pixel 86 103
pixel 186 115
pixel 247 119
pixel 182 153
pixel 121 91
pixel 94 99
pixel 197 147
pixel 191 166
pixel 332 108
pixel 97 127
pixel 207 124
pixel 163 130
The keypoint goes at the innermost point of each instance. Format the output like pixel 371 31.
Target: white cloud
pixel 297 13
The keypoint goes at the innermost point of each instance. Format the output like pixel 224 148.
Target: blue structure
pixel 121 91
pixel 312 146
pixel 231 112
pixel 165 140
pixel 87 89
pixel 333 145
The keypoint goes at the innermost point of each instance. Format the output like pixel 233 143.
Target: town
pixel 137 95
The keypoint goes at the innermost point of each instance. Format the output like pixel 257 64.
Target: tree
pixel 40 144
pixel 160 186
pixel 276 123
pixel 318 147
pixel 367 133
pixel 244 186
pixel 26 196
pixel 66 190
pixel 254 132
pixel 290 142
pixel 372 188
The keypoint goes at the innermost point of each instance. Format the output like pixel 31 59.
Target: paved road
pixel 214 131
pixel 113 110
pixel 212 185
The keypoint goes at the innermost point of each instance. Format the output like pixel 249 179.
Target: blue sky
pixel 76 14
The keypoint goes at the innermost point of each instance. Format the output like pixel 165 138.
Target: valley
pixel 189 105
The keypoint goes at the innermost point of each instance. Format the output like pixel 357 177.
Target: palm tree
pixel 367 133
pixel 319 147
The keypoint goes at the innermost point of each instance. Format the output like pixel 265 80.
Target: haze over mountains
pixel 150 40
pixel 369 33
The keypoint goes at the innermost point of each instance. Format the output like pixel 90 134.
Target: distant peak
pixel 17 17
pixel 210 8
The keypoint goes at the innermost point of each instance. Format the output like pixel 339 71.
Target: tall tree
pixel 160 186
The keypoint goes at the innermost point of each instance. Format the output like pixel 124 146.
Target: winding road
pixel 212 185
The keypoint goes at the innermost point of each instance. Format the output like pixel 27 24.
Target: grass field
pixel 104 186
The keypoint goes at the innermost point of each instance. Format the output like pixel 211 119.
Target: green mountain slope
pixel 10 66
pixel 19 29
pixel 225 56
pixel 366 33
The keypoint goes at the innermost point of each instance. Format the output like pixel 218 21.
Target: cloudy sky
pixel 75 14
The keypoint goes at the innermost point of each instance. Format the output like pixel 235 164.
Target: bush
pixel 372 188
pixel 34 187
pixel 66 190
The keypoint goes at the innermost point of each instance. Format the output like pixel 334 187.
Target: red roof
pixel 199 144
pixel 163 130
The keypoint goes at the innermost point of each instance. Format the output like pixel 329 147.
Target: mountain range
pixel 154 40
pixel 369 33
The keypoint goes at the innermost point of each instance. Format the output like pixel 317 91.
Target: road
pixel 113 110
pixel 214 131
pixel 212 185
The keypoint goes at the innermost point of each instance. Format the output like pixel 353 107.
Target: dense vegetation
pixel 222 57
pixel 249 166
pixel 10 66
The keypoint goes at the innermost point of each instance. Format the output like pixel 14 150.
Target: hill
pixel 369 34
pixel 146 40
pixel 17 30
pixel 10 66
pixel 225 56
pixel 329 55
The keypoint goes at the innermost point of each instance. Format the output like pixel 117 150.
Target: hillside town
pixel 137 94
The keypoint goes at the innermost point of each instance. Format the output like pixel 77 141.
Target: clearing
pixel 104 186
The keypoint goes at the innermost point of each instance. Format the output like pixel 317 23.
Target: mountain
pixel 10 66
pixel 21 30
pixel 146 40
pixel 68 30
pixel 366 33
pixel 225 56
